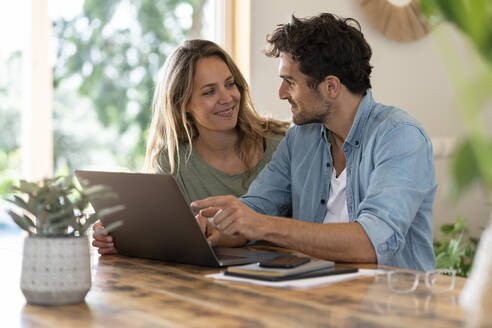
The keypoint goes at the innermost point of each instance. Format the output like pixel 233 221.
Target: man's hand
pixel 209 230
pixel 231 216
pixel 103 242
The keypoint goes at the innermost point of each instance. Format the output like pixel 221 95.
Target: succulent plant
pixel 54 207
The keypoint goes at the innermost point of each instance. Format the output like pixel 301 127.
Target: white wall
pixel 406 75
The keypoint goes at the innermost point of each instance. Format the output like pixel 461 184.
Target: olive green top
pixel 198 180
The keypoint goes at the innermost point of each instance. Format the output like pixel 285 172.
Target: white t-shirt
pixel 337 203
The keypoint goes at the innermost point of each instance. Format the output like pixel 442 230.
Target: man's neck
pixel 345 109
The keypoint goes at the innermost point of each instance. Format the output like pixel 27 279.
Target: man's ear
pixel 331 86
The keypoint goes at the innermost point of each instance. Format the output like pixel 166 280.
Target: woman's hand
pixel 103 242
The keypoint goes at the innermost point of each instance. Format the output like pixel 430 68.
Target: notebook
pixel 159 224
pixel 315 268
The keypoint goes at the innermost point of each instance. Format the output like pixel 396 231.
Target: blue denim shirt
pixel 390 181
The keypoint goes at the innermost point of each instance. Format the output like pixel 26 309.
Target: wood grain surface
pixel 132 292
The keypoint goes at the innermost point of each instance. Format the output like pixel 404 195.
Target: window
pixel 107 56
pixel 11 81
pixel 84 102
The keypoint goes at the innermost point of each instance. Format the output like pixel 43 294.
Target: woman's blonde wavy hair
pixel 171 126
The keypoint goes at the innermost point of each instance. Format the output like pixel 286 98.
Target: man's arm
pixel 340 242
pixel 402 179
pixel 343 242
pixel 270 192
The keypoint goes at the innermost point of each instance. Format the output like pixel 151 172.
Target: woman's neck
pixel 217 143
pixel 218 149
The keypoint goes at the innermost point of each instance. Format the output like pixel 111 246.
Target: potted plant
pixel 56 259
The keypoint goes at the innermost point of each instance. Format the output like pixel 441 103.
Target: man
pixel 359 175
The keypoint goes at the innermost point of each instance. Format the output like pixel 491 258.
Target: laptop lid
pixel 158 223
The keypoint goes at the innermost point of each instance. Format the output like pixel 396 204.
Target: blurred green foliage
pixel 10 105
pixel 111 53
pixel 472 79
pixel 455 249
pixel 473 85
pixel 9 169
pixel 472 17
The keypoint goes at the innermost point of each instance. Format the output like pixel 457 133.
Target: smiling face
pixel 308 105
pixel 215 99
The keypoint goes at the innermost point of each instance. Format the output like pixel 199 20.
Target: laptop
pixel 159 224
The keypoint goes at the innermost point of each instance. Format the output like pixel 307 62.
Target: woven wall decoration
pixel 398 20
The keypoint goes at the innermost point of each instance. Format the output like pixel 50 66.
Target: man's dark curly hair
pixel 325 45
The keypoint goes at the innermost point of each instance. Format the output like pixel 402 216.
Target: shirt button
pixel 382 248
pixel 327 164
pixel 323 201
pixel 356 143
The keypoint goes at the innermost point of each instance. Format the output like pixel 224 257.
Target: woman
pixel 205 130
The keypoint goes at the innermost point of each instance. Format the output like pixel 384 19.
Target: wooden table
pixel 131 292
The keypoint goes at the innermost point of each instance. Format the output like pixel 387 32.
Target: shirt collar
pixel 363 111
pixel 324 133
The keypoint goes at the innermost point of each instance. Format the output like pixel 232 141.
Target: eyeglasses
pixel 437 281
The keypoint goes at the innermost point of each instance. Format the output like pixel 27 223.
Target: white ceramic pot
pixel 55 270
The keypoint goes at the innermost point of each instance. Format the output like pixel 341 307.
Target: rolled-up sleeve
pixel 402 176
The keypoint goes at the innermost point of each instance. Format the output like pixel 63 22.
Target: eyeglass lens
pixel 402 282
pixel 440 280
